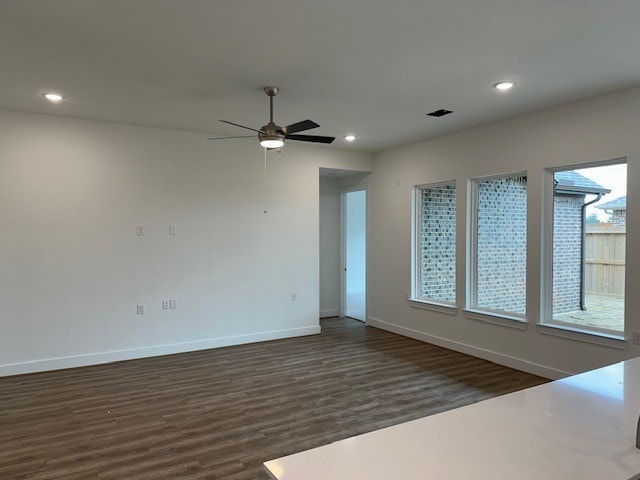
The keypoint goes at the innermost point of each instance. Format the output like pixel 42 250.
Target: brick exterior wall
pixel 500 278
pixel 501 254
pixel 567 245
pixel 437 242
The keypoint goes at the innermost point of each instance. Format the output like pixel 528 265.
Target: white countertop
pixel 581 427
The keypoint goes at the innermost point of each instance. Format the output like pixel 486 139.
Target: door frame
pixel 343 246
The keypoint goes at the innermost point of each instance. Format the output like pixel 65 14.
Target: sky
pixel 610 176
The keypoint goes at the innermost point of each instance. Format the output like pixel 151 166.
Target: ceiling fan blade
pixel 299 127
pixel 224 138
pixel 310 138
pixel 242 126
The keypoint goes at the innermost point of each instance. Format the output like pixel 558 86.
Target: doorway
pixel 354 252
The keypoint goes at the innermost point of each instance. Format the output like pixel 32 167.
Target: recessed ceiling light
pixel 504 85
pixel 350 138
pixel 53 97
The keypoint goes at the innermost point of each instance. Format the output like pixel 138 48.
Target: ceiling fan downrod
pixel 272 137
pixel 272 92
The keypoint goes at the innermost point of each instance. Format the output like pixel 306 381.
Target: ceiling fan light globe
pixel 272 143
pixel 270 138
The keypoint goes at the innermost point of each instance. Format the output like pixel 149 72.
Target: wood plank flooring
pixel 221 413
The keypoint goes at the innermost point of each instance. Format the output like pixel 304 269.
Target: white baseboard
pixel 329 312
pixel 495 357
pixel 144 352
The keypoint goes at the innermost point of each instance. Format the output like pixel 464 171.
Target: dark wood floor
pixel 221 413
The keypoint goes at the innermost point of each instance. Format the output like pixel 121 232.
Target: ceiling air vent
pixel 439 113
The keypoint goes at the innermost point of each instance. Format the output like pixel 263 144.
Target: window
pixel 588 241
pixel 498 241
pixel 435 243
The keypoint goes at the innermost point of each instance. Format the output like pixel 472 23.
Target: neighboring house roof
pixel 571 182
pixel 615 204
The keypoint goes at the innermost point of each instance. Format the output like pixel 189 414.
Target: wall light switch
pixel 173 303
pixel 294 297
pixel 165 304
pixel 140 309
pixel 172 229
pixel 140 230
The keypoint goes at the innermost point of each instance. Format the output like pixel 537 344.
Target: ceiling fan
pixel 273 136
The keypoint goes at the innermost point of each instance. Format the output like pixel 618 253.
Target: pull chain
pixel 265 179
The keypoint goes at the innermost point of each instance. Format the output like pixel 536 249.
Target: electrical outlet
pixel 140 230
pixel 172 229
pixel 294 297
pixel 636 338
pixel 165 304
pixel 173 303
pixel 140 309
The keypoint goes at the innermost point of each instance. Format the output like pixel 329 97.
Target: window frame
pixel 472 310
pixel 547 324
pixel 418 301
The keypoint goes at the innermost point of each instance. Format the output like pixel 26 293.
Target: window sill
pixel 497 319
pixel 583 335
pixel 433 306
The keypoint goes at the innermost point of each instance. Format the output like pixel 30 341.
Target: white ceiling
pixel 368 67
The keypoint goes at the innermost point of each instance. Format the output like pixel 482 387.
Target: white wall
pixel 329 247
pixel 600 128
pixel 73 269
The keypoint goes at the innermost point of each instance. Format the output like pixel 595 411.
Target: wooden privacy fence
pixel 604 260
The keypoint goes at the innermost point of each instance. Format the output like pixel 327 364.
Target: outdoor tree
pixel 593 218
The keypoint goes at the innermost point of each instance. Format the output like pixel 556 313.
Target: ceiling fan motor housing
pixel 270 132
